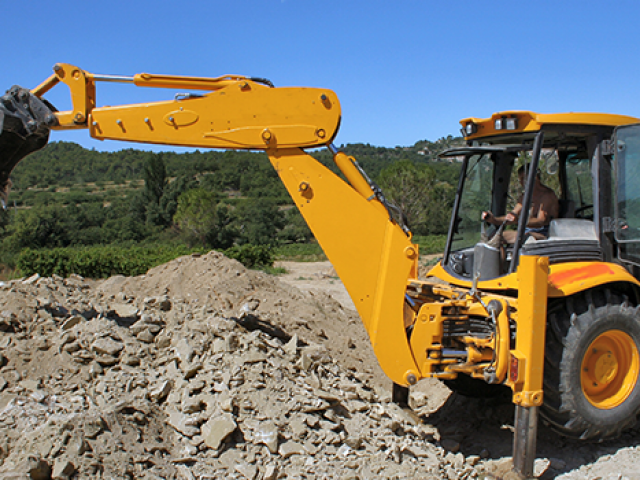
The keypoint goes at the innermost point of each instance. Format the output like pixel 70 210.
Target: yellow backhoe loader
pixel 554 319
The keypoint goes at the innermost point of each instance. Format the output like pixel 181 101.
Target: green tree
pixel 408 186
pixel 169 201
pixel 197 216
pixel 155 178
pixel 416 190
pixel 295 228
pixel 226 232
pixel 260 221
pixel 39 228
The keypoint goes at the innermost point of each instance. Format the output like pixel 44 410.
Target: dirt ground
pixel 485 427
pixel 202 369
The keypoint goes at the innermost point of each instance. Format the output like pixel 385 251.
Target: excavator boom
pixel 354 224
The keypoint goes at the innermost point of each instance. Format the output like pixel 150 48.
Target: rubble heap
pixel 218 373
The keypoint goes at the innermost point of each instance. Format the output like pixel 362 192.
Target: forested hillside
pixel 68 196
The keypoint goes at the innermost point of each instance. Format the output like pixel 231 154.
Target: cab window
pixel 579 184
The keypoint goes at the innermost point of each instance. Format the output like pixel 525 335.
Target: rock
pixel 160 393
pixel 32 279
pixel 107 346
pixel 291 347
pixel 473 460
pixel 145 336
pixel 62 469
pixel 184 350
pixel 185 473
pixel 298 427
pixel 403 415
pixel 161 302
pixel 246 470
pixel 131 360
pixel 72 322
pixel 103 360
pixel 267 433
pixel 37 396
pixel 290 448
pixel 77 445
pixel 35 468
pixel 125 310
pixel 344 450
pixel 540 466
pixel 219 345
pixel 190 369
pixel 217 429
pixel 305 362
pixel 270 473
pixel 191 405
pixel 154 329
pixel 29 384
pixel 226 404
pixel 93 427
pixel 182 423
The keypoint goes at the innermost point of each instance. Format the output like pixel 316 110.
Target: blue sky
pixel 404 70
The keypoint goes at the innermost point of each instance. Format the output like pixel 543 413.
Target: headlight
pixel 504 123
pixel 469 129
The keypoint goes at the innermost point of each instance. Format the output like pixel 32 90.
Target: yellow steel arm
pixel 371 254
pixel 236 113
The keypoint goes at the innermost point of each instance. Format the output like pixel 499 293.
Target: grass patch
pixel 273 270
pixel 300 252
pixel 430 244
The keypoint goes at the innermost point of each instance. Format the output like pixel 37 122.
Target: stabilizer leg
pixel 524 440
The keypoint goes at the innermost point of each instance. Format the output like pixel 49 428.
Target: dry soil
pixel 202 369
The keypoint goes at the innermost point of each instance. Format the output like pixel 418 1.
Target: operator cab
pixel 566 151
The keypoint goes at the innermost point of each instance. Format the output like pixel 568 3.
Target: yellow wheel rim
pixel 610 369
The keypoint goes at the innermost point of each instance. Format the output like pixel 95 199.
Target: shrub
pixel 105 261
pixel 251 256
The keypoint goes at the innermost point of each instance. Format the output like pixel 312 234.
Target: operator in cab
pixel 544 208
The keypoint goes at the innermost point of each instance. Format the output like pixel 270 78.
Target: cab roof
pixel 517 126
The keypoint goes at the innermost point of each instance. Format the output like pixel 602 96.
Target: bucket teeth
pixel 25 121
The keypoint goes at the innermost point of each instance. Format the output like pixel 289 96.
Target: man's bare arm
pixel 510 218
pixel 548 211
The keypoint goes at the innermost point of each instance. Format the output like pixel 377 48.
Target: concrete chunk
pixel 217 429
pixel 62 469
pixel 290 448
pixel 107 346
pixel 267 434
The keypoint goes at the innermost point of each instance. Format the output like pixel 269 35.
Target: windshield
pixel 628 179
pixel 475 198
pixel 579 188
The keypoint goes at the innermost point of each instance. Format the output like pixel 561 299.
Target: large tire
pixel 592 365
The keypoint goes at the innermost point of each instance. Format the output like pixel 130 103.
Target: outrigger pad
pixel 25 121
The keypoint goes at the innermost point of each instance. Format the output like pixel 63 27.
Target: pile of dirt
pixel 214 283
pixel 199 369
pixel 202 369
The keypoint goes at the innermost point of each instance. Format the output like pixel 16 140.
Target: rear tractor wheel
pixel 592 366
